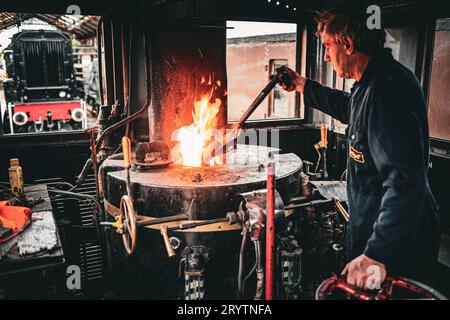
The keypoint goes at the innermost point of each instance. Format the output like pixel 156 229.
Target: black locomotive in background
pixel 42 91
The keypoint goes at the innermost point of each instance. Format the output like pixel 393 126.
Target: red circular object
pixel 336 288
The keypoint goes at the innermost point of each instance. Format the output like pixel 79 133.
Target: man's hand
pixel 365 273
pixel 291 80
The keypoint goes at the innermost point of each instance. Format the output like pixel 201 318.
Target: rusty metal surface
pixel 332 189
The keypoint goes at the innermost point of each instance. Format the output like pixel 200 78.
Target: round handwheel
pixel 128 216
pixel 401 288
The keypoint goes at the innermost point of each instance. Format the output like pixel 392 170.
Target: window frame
pixel 300 54
pixel 438 147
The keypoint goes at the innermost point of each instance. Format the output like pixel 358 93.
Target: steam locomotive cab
pixel 203 176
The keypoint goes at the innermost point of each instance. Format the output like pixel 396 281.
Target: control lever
pixel 341 210
pixel 321 148
pixel 170 251
pixel 230 139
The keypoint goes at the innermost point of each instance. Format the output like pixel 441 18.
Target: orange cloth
pixel 16 218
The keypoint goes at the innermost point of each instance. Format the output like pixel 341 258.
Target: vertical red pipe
pixel 270 230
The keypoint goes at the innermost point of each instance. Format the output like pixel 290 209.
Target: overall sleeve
pixel 330 101
pixel 397 147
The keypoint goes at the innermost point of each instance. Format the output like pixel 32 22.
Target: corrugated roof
pixel 81 26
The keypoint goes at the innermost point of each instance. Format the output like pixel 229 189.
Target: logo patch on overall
pixel 356 155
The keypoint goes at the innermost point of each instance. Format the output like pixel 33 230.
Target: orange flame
pixel 194 138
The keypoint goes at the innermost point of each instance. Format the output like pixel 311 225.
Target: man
pixel 393 219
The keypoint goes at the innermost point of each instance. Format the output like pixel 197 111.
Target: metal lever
pixel 151 222
pixel 323 135
pixel 170 251
pixel 342 210
pixel 126 147
pixel 274 79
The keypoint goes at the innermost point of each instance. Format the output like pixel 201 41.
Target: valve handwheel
pixel 400 288
pixel 129 229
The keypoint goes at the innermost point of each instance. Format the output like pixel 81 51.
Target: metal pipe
pixel 97 204
pixel 115 61
pixel 137 114
pixel 197 224
pixel 129 66
pixel 82 174
pixel 125 65
pixel 162 220
pixel 126 147
pixel 342 210
pixel 308 204
pixel 241 262
pixel 270 230
pixel 94 162
pixel 250 273
pixel 99 58
pixel 259 271
pixel 60 183
pixel 298 199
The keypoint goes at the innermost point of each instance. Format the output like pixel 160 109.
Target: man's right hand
pixel 291 80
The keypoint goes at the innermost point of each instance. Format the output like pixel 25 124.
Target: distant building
pixel 250 62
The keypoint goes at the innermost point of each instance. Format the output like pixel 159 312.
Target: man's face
pixel 338 55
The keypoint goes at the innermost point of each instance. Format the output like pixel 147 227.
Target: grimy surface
pixel 39 246
pixel 206 192
pixel 245 165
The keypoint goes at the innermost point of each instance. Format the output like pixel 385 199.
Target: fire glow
pixel 194 138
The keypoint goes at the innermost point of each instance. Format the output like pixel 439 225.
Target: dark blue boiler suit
pixel 393 215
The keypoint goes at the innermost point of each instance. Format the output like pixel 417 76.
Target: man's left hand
pixel 365 273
